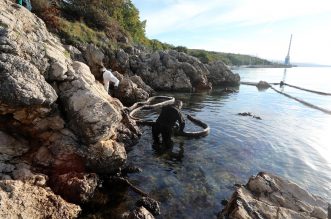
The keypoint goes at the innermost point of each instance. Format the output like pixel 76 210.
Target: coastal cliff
pixel 61 133
pixel 57 122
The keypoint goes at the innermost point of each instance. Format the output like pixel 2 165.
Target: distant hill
pixel 228 58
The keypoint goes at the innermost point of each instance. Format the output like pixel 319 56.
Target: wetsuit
pixel 167 120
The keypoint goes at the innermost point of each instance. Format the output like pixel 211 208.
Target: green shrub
pixel 79 33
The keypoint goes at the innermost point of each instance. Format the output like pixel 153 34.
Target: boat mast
pixel 287 58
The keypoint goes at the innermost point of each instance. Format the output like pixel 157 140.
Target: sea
pixel 292 140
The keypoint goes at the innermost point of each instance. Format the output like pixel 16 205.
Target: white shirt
pixel 108 76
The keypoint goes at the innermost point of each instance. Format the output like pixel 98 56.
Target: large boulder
pixel 75 187
pixel 170 71
pixel 130 92
pixel 269 196
pixel 220 74
pixel 88 107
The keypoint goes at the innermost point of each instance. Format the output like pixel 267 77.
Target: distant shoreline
pixel 278 66
pixel 263 66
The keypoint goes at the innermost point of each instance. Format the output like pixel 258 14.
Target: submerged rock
pixel 249 114
pixel 150 204
pixel 269 196
pixel 262 85
pixel 138 213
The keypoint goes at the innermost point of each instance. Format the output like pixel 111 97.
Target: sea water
pixel 292 140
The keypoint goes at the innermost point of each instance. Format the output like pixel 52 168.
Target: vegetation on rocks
pixel 104 23
pixel 227 58
pixel 114 24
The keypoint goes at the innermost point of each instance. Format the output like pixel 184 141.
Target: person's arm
pixel 114 80
pixel 181 121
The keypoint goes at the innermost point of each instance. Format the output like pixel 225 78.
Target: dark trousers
pixel 165 132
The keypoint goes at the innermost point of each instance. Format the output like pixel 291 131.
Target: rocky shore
pixel 269 196
pixel 62 136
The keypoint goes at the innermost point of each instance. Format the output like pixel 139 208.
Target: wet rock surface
pixel 262 85
pixel 269 196
pixel 150 204
pixel 250 115
pixel 138 213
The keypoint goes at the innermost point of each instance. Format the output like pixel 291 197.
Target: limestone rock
pixel 22 84
pixel 269 196
pixel 11 147
pixel 23 200
pixel 94 57
pixel 24 173
pixel 220 74
pixel 150 204
pixel 55 102
pixel 139 213
pixel 106 156
pixel 141 84
pixel 128 91
pixel 172 70
pixel 75 54
pixel 91 114
pixel 75 187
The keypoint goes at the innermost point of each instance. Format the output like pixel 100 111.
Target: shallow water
pixel 292 140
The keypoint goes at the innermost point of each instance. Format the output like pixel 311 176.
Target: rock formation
pixel 166 70
pixel 57 123
pixel 24 200
pixel 269 196
pixel 170 70
pixel 131 88
pixel 220 74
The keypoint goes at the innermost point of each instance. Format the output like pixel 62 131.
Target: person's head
pixel 103 69
pixel 178 104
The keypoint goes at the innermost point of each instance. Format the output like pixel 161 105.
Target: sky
pixel 260 28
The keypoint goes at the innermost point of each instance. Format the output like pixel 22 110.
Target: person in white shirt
pixel 107 77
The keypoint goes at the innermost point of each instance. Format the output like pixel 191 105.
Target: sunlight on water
pixel 292 140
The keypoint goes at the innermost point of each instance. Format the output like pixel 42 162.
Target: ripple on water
pixel 194 176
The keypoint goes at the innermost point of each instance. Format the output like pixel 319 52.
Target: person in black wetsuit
pixel 166 121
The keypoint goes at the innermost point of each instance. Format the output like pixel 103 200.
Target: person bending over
pixel 107 77
pixel 166 121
